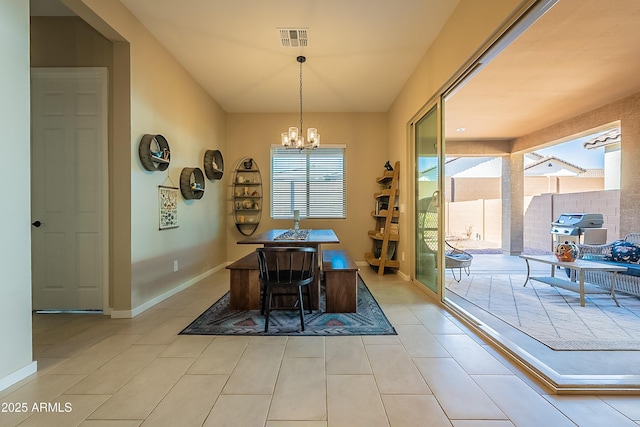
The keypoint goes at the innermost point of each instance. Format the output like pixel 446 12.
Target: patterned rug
pixel 369 319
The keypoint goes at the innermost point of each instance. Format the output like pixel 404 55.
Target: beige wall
pixel 462 189
pixel 541 210
pixel 538 215
pixel 625 111
pixel 15 229
pixel 155 98
pixel 485 216
pixel 365 137
pixel 478 218
pixel 163 99
pixel 534 185
pixel 465 218
pixel 606 203
pixel 469 27
pixel 70 42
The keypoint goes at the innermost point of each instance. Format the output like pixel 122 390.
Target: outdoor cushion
pixel 632 269
pixel 623 251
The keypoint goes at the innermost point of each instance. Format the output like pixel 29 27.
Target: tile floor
pixel 96 371
pixel 553 314
pixel 567 369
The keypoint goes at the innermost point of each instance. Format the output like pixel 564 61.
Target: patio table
pixel 578 266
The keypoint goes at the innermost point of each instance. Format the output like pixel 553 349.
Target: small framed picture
pixel 168 206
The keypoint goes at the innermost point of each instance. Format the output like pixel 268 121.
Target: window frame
pixel 332 157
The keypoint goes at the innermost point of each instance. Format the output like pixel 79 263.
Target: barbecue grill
pixel 571 226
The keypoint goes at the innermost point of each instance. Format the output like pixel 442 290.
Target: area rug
pixel 553 316
pixel 369 319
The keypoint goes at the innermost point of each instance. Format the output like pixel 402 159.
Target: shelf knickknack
pixel 213 164
pixel 247 196
pixel 154 152
pixel 192 183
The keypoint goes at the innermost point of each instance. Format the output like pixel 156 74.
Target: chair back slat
pixel 286 265
pixel 285 268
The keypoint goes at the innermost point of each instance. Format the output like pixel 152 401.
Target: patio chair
pixel 457 258
pixel 454 258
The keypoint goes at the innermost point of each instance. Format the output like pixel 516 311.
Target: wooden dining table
pixel 314 239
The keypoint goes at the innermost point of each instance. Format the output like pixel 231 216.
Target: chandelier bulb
pixel 294 136
pixel 285 139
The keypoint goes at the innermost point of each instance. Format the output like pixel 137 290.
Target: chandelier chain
pixel 301 96
pixel 294 138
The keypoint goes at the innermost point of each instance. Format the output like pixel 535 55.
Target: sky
pixel 571 151
pixel 574 153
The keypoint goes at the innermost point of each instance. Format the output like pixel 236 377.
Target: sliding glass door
pixel 428 243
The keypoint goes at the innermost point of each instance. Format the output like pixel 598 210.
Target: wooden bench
pixel 341 281
pixel 244 283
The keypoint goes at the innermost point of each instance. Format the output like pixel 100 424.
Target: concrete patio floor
pixel 565 370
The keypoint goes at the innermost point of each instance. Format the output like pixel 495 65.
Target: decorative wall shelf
pixel 192 183
pixel 247 196
pixel 385 236
pixel 154 152
pixel 213 164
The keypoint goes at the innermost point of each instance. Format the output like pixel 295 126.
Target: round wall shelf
pixel 247 196
pixel 192 183
pixel 213 164
pixel 154 152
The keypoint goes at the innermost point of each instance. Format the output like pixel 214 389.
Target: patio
pixel 572 346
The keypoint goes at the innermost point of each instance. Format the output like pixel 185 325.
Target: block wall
pixel 463 189
pixel 484 217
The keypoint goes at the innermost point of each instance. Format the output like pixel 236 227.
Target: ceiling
pixel 359 54
pixel 578 56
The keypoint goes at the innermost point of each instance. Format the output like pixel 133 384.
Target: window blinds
pixel 311 181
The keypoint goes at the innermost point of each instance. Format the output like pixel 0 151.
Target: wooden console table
pixel 579 266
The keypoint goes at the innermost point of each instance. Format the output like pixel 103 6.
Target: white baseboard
pixel 129 314
pixel 18 375
pixel 402 275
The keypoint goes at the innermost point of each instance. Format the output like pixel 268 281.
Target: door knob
pixel 36 224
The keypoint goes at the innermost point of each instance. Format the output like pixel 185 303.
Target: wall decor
pixel 154 152
pixel 213 164
pixel 192 183
pixel 247 196
pixel 168 201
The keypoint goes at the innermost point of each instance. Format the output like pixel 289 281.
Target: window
pixel 311 181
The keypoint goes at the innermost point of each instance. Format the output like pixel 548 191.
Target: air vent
pixel 293 37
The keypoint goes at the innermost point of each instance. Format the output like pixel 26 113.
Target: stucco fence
pixel 482 219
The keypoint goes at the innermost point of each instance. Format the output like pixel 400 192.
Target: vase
pixel 567 251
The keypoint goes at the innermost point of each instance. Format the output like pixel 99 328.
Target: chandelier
pixel 294 138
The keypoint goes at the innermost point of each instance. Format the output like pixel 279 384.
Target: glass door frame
pixel 436 104
pixel 525 15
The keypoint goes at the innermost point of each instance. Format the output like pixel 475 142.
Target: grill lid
pixel 579 220
pixel 565 231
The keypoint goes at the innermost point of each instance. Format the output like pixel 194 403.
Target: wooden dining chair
pixel 284 272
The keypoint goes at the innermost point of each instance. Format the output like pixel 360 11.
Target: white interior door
pixel 68 188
